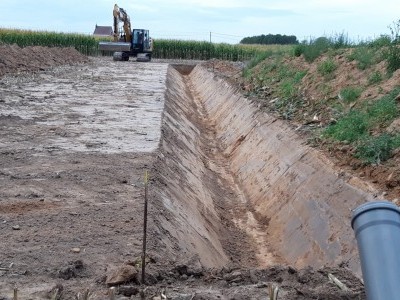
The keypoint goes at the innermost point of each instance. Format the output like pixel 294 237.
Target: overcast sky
pixel 228 20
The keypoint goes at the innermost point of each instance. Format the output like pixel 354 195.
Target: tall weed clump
pixel 314 48
pixel 393 51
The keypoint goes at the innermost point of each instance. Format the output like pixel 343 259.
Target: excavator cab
pixel 141 40
pixel 141 44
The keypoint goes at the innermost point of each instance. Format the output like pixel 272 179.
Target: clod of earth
pixel 125 273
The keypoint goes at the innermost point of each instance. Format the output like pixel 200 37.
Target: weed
pixel 340 40
pixel 327 67
pixel 316 48
pixel 287 89
pixel 355 126
pixel 365 57
pixel 375 77
pixel 283 72
pixel 350 94
pixel 325 89
pixel 376 149
pixel 258 58
pixel 349 128
pixel 299 49
pixel 382 41
pixel 393 51
pixel 299 76
pixel 383 111
pixel 392 55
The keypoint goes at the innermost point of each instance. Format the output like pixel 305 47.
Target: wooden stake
pixel 146 181
pixel 112 293
pixel 273 292
pixel 15 293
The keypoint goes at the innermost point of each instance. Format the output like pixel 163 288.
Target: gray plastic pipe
pixel 377 230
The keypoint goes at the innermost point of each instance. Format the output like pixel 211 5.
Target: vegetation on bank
pixel 343 93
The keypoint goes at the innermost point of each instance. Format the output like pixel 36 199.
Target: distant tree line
pixel 270 39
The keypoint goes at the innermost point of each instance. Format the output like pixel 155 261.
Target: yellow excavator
pixel 127 42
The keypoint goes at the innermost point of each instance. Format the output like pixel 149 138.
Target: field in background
pixel 83 43
pixel 165 49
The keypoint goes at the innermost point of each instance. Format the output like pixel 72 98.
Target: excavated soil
pixel 237 201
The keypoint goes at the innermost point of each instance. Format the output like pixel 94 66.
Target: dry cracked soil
pixel 77 136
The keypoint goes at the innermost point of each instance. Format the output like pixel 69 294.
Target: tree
pixel 270 39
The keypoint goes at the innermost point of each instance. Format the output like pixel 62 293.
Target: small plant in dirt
pixel 382 112
pixel 375 77
pixel 364 56
pixel 327 67
pixel 377 149
pixel 350 94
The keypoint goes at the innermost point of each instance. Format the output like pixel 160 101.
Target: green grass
pixel 349 128
pixel 350 94
pixel 356 128
pixel 364 56
pixel 375 77
pixel 382 112
pixel 326 67
pixel 315 48
pixel 377 149
pixel 255 61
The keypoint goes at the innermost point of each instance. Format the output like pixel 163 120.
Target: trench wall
pixel 188 222
pixel 288 185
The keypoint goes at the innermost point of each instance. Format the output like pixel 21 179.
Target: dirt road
pixel 75 142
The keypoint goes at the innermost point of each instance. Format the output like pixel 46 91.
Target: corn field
pixel 178 49
pixel 164 49
pixel 85 44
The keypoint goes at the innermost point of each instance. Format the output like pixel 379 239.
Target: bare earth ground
pixel 75 142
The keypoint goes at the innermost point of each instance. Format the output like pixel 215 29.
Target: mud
pixel 235 196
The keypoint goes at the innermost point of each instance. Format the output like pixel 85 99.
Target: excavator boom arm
pixel 120 15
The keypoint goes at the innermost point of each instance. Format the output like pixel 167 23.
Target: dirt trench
pixel 243 187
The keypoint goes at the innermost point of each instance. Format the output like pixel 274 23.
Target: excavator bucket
pixel 114 46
